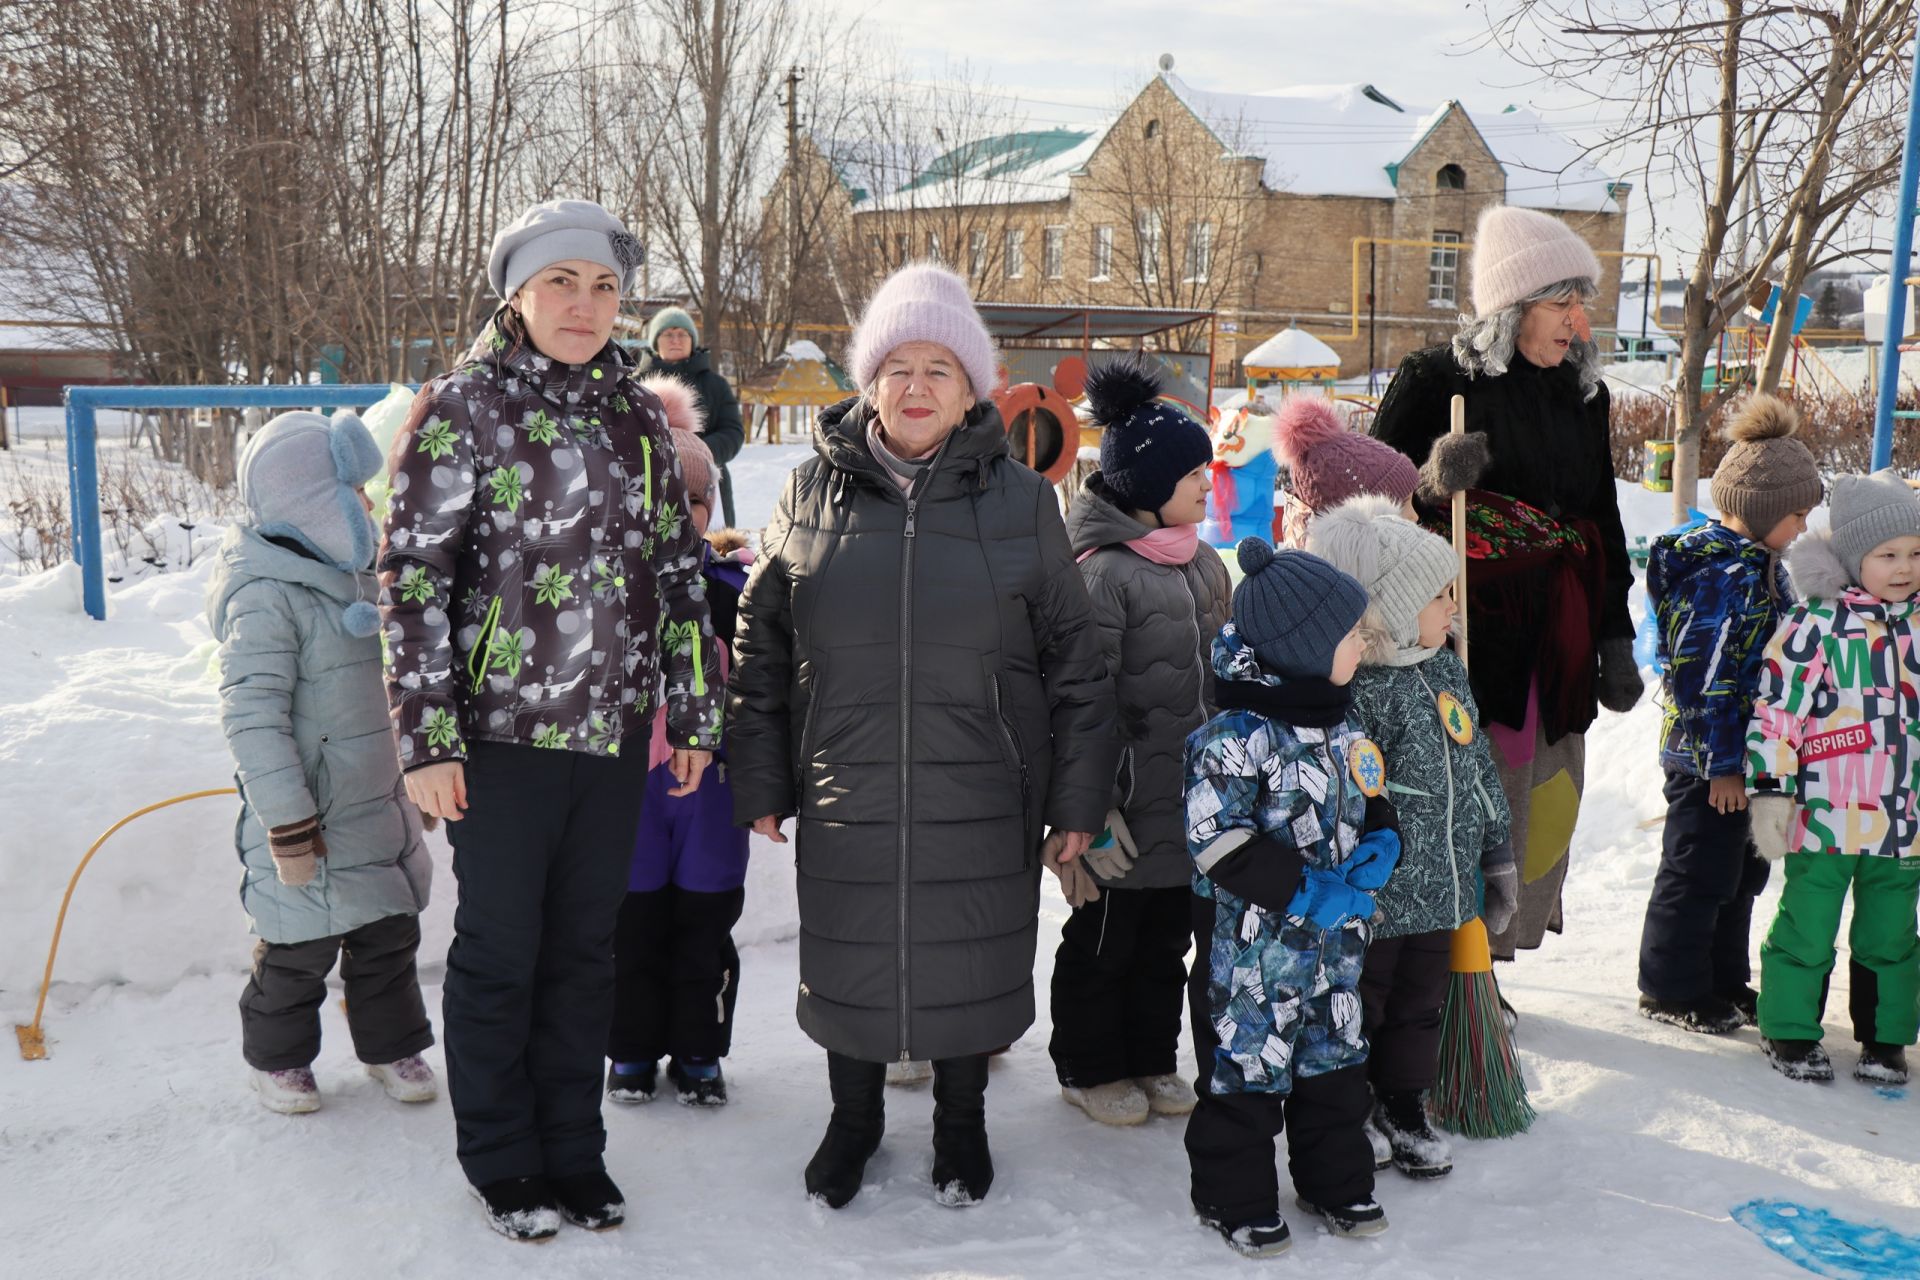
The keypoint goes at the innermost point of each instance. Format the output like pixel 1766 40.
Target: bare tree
pixel 1798 104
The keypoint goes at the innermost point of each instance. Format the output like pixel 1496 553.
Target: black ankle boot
pixel 962 1165
pixel 853 1132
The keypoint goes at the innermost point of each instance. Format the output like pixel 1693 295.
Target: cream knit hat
pixel 1518 252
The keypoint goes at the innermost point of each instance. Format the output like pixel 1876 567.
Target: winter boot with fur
pixel 1382 1149
pixel 290 1093
pixel 1710 1015
pixel 520 1208
pixel 408 1080
pixel 1881 1064
pixel 1118 1102
pixel 962 1164
pixel 589 1200
pixel 853 1132
pixel 1747 1001
pixel 633 1082
pixel 1798 1059
pixel 698 1082
pixel 1267 1237
pixel 1167 1095
pixel 1415 1147
pixel 1352 1220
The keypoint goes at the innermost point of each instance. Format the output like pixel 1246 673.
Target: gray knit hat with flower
pixel 555 232
pixel 1293 609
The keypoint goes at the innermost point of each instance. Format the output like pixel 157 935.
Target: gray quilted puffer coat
pixel 919 681
pixel 1157 623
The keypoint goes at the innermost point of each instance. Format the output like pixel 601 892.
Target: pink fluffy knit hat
pixel 1329 463
pixel 922 302
pixel 684 420
pixel 1517 252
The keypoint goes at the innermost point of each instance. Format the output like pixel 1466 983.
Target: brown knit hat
pixel 1767 474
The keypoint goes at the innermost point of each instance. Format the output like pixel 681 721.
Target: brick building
pixel 1266 208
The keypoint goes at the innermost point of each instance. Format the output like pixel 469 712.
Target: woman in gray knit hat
pixel 541 586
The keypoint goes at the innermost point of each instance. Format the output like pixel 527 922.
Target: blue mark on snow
pixel 1892 1093
pixel 1830 1246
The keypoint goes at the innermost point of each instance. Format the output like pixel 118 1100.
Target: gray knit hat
pixel 1870 510
pixel 1767 475
pixel 1401 566
pixel 556 231
pixel 1293 609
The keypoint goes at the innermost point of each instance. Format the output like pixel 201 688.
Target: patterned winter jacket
pixel 540 566
pixel 1716 599
pixel 1836 723
pixel 1453 815
pixel 1267 798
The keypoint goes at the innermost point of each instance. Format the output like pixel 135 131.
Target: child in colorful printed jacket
pixel 1291 835
pixel 1717 592
pixel 1832 754
pixel 676 970
pixel 1412 698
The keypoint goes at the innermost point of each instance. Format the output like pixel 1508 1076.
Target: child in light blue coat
pixel 333 859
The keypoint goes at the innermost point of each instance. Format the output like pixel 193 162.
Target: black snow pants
pixel 1402 987
pixel 1695 943
pixel 676 974
pixel 1117 979
pixel 280 1008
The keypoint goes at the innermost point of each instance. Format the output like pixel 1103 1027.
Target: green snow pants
pixel 1796 960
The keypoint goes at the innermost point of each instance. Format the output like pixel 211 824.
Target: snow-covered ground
pixel 136 1149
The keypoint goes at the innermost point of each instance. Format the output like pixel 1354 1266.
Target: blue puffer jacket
pixel 1717 599
pixel 305 713
pixel 1282 993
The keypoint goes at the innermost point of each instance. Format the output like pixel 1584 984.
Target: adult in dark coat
pixel 1547 645
pixel 920 682
pixel 673 348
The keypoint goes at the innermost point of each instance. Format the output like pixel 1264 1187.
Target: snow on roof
pixel 801 349
pixel 1030 165
pixel 1291 349
pixel 1350 140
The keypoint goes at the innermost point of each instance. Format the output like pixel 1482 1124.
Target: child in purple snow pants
pixel 676 971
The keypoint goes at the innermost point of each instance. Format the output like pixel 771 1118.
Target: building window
pixel 933 247
pixel 1152 130
pixel 1053 252
pixel 1450 178
pixel 1443 270
pixel 1199 252
pixel 1102 268
pixel 1146 230
pixel 977 254
pixel 877 247
pixel 902 246
pixel 1016 253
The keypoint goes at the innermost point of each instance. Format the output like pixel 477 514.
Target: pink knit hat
pixel 1517 252
pixel 684 420
pixel 922 302
pixel 1329 463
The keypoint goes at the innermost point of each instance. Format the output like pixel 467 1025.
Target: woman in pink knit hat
pixel 1327 464
pixel 921 685
pixel 1552 640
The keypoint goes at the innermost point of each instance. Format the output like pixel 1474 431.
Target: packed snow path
pixel 136 1148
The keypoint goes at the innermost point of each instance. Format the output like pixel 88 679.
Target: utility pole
pixel 794 76
pixel 719 64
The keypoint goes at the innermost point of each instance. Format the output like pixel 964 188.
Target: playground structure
pixel 1289 361
pixel 800 377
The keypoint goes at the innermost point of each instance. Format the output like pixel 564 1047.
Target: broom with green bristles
pixel 1480 1091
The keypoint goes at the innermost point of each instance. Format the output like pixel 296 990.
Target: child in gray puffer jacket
pixel 332 850
pixel 1412 698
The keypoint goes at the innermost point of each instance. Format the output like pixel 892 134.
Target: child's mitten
pixel 1328 900
pixel 1372 860
pixel 1502 897
pixel 295 847
pixel 1772 819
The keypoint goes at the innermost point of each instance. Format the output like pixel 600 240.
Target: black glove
pixel 1620 682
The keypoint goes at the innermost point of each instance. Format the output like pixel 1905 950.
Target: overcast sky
pixel 1074 61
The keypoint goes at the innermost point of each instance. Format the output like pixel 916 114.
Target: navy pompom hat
pixel 1146 444
pixel 1293 609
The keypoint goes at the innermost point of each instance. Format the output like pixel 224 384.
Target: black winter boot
pixel 1798 1059
pixel 1710 1015
pixel 1882 1064
pixel 589 1200
pixel 853 1131
pixel 1418 1150
pixel 962 1164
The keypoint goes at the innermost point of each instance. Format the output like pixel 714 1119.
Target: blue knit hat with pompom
pixel 1293 608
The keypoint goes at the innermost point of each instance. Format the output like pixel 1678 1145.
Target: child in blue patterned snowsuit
pixel 1290 834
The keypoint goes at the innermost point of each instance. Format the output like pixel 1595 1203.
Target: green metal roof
pixel 1001 154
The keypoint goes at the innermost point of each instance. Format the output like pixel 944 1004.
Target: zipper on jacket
pixel 906 755
pixel 481 645
pixel 1019 759
pixel 1446 758
pixel 646 473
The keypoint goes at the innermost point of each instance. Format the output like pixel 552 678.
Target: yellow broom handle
pixel 1459 428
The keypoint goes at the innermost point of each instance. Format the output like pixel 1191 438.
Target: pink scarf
pixel 1176 545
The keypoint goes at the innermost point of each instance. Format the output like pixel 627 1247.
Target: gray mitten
pixel 1771 817
pixel 1502 896
pixel 1455 463
pixel 1113 852
pixel 1620 682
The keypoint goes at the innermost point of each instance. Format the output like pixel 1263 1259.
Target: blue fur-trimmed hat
pixel 299 478
pixel 1146 444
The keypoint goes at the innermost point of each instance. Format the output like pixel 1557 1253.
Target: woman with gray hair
pixel 919 682
pixel 1547 595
